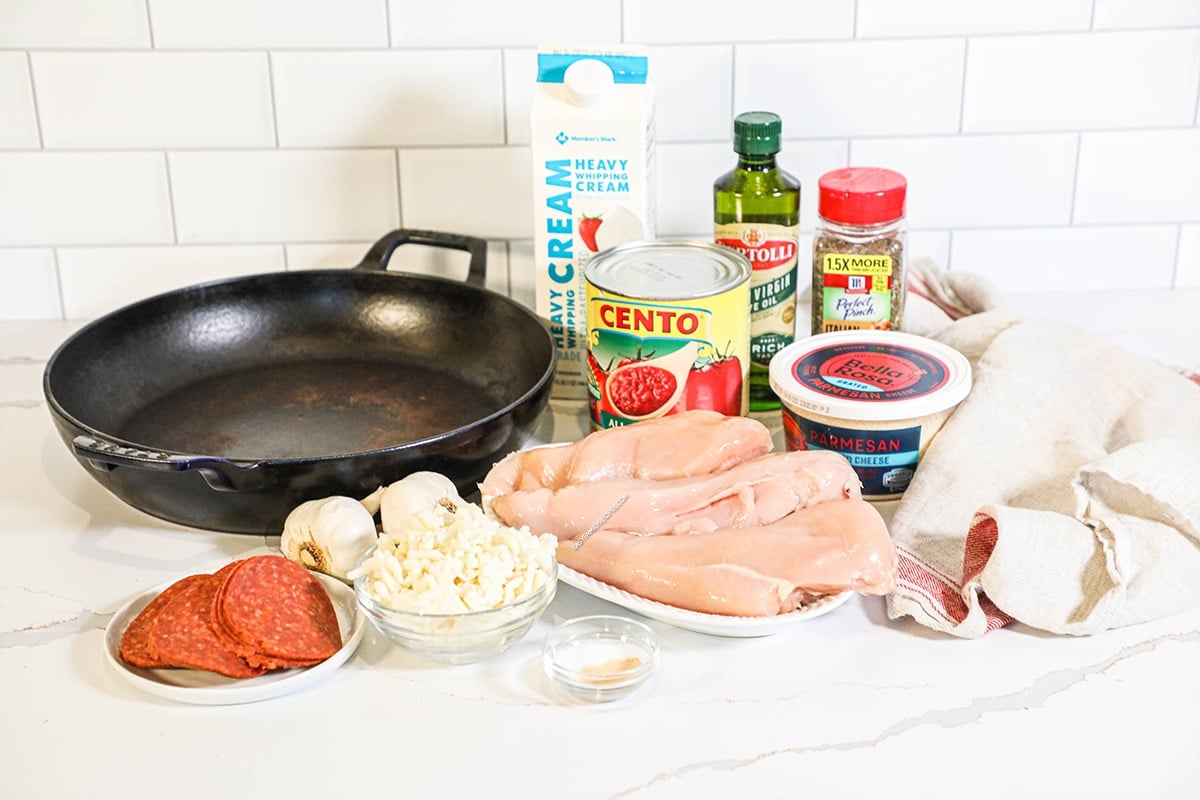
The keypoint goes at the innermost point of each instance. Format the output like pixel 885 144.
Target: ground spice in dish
pixel 611 671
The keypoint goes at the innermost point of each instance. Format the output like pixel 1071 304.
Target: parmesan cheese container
pixel 876 397
pixel 592 147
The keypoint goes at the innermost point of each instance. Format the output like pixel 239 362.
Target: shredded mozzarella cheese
pixel 450 562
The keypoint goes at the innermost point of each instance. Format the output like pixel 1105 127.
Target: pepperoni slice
pixel 273 613
pixel 135 642
pixel 181 634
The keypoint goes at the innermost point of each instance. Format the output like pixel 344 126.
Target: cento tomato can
pixel 668 330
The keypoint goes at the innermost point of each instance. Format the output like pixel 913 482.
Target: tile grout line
pixel 504 98
pixel 150 26
pixel 962 92
pixel 271 97
pixel 456 48
pixel 1075 177
pixel 1196 112
pixel 396 187
pixel 832 137
pixel 936 229
pixel 58 281
pixel 37 111
pixel 1175 258
pixel 170 197
pixel 508 280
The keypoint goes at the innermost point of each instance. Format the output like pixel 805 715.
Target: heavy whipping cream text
pixel 561 307
pixel 600 175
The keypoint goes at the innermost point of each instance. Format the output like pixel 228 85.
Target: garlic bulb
pixel 420 491
pixel 329 535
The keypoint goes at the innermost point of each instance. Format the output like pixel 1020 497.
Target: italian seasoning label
pixel 858 291
pixel 772 251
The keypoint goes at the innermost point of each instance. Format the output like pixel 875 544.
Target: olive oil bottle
pixel 756 211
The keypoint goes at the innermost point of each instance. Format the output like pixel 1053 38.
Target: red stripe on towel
pixel 944 597
pixel 981 542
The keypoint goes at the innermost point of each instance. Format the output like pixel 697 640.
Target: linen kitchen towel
pixel 1064 492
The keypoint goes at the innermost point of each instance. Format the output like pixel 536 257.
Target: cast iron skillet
pixel 224 405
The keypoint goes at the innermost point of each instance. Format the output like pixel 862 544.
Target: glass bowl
pixel 459 638
pixel 600 658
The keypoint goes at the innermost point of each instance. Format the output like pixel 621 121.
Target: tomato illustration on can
pixel 667 331
pixel 716 384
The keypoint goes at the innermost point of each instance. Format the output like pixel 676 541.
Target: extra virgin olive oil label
pixel 772 252
pixel 857 291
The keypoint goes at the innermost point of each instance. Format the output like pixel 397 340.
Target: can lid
pixel 756 133
pixel 667 270
pixel 870 376
pixel 862 195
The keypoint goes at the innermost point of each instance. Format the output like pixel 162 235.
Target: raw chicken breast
pixel 755 492
pixel 760 571
pixel 690 443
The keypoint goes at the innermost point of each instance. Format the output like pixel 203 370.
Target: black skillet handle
pixel 221 474
pixel 380 254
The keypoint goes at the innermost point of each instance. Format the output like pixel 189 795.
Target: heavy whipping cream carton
pixel 592 144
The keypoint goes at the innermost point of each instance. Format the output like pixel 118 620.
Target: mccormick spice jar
pixel 858 279
pixel 668 330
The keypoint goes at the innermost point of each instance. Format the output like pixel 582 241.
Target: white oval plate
pixel 208 688
pixel 712 624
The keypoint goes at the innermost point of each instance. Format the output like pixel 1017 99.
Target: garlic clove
pixel 328 535
pixel 371 501
pixel 417 492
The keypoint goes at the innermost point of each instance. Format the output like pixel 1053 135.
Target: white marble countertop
pixel 848 705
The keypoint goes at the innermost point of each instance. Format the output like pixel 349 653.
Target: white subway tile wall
pixel 51 197
pixel 152 100
pixel 151 144
pixel 99 279
pixel 389 98
pixel 283 195
pixel 29 284
pixel 1187 260
pixel 268 24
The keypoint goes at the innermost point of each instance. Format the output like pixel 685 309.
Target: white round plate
pixel 712 624
pixel 208 688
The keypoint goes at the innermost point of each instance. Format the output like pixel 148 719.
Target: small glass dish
pixel 600 658
pixel 459 638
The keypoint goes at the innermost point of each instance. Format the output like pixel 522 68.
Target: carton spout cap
pixel 588 81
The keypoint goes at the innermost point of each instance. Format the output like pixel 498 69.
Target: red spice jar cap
pixel 862 195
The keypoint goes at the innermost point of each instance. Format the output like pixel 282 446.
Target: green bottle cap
pixel 756 133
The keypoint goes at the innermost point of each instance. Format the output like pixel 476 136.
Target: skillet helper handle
pixel 380 254
pixel 220 474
